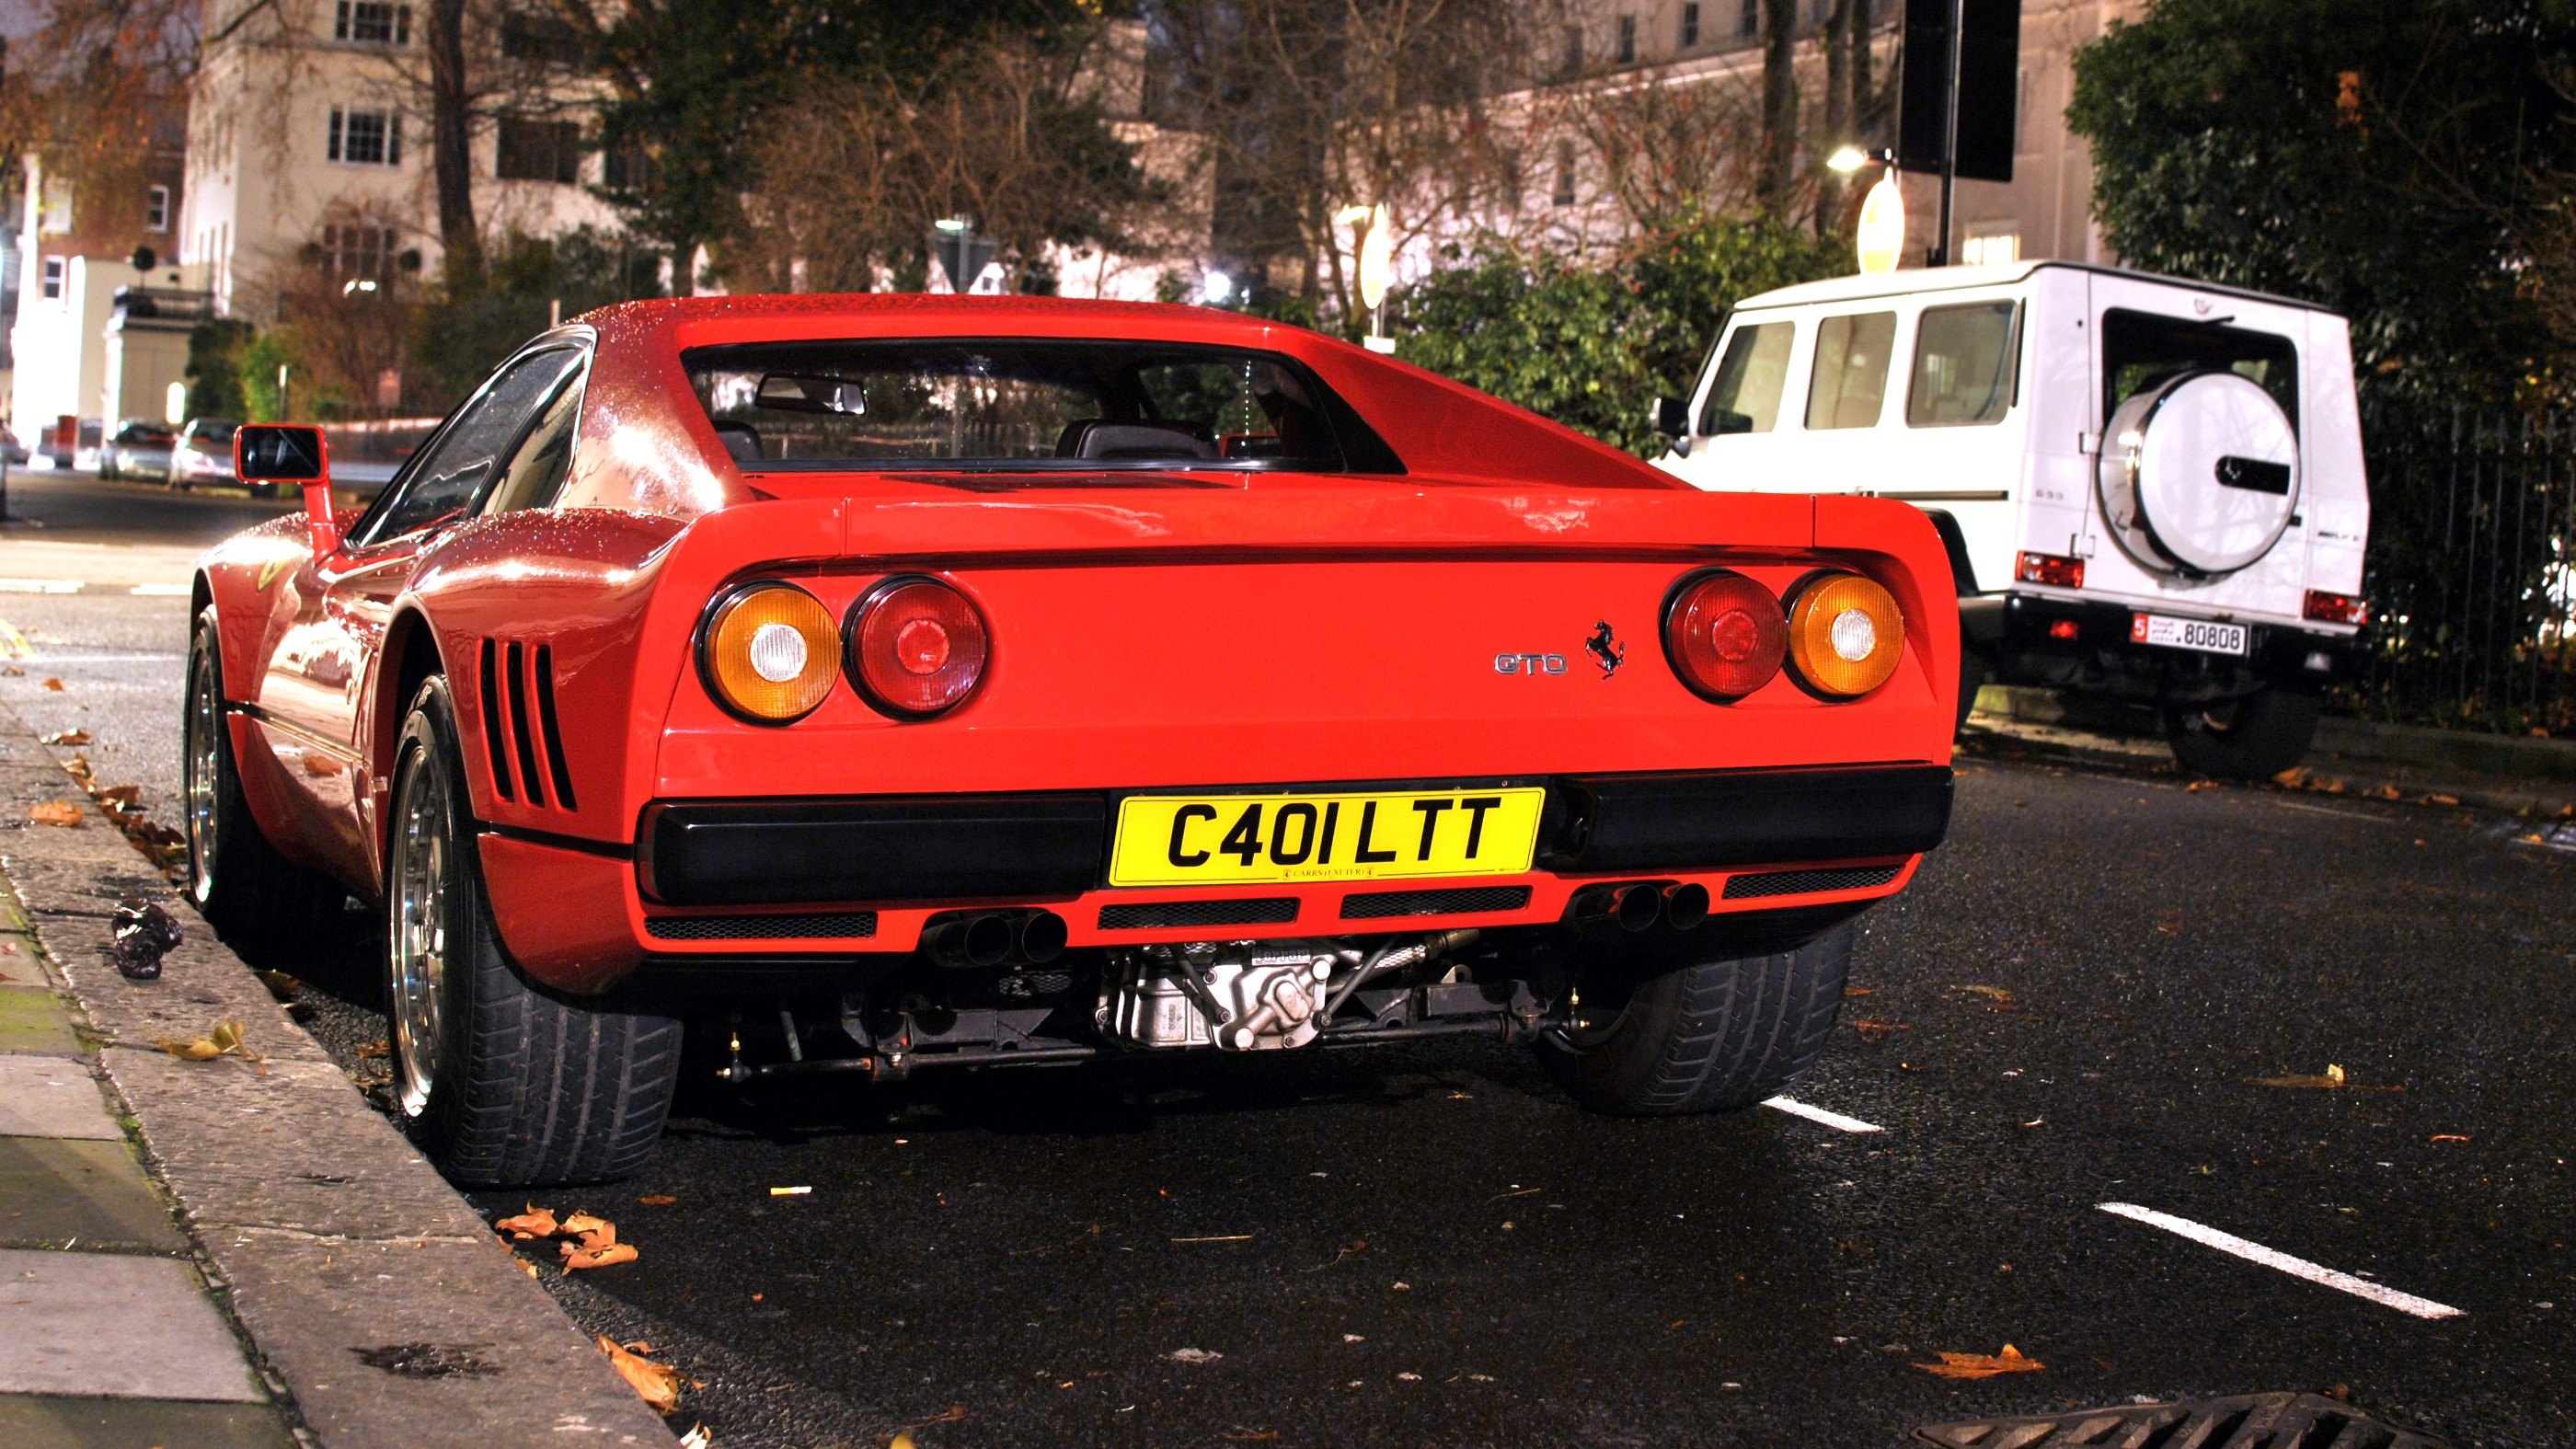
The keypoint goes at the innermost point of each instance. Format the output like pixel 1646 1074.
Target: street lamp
pixel 357 284
pixel 1217 288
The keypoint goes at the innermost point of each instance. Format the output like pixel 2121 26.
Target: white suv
pixel 2150 488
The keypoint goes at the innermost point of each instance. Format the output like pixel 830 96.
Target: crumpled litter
pixel 144 934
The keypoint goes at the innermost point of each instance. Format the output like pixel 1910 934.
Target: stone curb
pixel 331 1235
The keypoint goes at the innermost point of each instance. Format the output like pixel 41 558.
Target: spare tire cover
pixel 2199 474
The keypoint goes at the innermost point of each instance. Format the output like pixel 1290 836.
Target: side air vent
pixel 556 770
pixel 792 926
pixel 1808 882
pixel 519 732
pixel 493 747
pixel 1171 915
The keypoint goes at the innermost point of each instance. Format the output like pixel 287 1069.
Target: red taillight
pixel 2048 568
pixel 2063 629
pixel 2328 608
pixel 915 646
pixel 1726 635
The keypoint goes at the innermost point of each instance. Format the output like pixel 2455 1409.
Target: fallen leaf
pixel 225 1040
pixel 68 737
pixel 658 1384
pixel 1878 1030
pixel 55 812
pixel 2195 787
pixel 789 1191
pixel 2291 778
pixel 2388 792
pixel 657 1199
pixel 2449 1137
pixel 376 1049
pixel 530 1267
pixel 55 685
pixel 2333 1080
pixel 536 1222
pixel 1225 1238
pixel 122 795
pixel 1860 990
pixel 200 1050
pixel 2441 799
pixel 582 1224
pixel 1982 1365
pixel 279 984
pixel 1193 1355
pixel 603 1256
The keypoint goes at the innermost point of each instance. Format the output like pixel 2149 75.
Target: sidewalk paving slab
pixel 112 1324
pixel 92 1195
pixel 31 1022
pixel 52 1097
pixel 57 1421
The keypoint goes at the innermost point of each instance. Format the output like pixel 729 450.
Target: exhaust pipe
pixel 978 940
pixel 1636 907
pixel 1042 936
pixel 1685 906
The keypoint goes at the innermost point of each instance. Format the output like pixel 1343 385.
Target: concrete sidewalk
pixel 235 1251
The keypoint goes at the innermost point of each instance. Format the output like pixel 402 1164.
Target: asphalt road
pixel 2076 1004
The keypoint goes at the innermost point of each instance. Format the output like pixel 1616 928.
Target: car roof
pixel 1922 280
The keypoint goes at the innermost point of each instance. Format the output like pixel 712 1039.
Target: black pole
pixel 1940 256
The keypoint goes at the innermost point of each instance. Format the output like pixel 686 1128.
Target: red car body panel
pixel 1214 629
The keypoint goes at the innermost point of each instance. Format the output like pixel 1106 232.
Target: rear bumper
pixel 2276 653
pixel 756 880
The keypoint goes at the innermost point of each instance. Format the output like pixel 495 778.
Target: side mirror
pixel 291 453
pixel 1672 416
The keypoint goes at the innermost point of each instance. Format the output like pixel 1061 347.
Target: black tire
pixel 1972 677
pixel 241 884
pixel 1710 1037
pixel 520 1086
pixel 2253 738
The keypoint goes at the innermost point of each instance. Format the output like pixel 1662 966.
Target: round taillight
pixel 1725 635
pixel 916 646
pixel 766 652
pixel 1845 634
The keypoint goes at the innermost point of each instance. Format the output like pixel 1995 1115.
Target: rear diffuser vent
pixel 795 926
pixel 1808 882
pixel 1172 915
pixel 2249 1421
pixel 1456 901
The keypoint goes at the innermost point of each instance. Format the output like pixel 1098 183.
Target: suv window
pixel 1745 398
pixel 449 475
pixel 536 471
pixel 2142 349
pixel 1850 379
pixel 1964 360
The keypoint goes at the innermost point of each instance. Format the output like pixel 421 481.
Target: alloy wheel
pixel 203 763
pixel 422 874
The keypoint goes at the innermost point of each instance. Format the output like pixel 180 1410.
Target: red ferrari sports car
pixel 886 683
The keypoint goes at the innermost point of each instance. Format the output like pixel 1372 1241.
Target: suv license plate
pixel 2202 634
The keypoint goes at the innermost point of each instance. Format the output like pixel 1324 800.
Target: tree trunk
pixel 1779 105
pixel 1839 111
pixel 451 139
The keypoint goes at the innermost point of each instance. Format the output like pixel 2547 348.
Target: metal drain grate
pixel 2248 1421
pixel 1171 915
pixel 797 926
pixel 1807 882
pixel 1454 901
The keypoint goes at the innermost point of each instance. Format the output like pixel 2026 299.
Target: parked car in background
pixel 2151 489
pixel 11 449
pixel 139 450
pixel 962 682
pixel 204 454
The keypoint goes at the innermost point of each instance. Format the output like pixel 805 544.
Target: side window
pixel 447 480
pixel 1850 380
pixel 2142 349
pixel 1964 360
pixel 1745 398
pixel 536 471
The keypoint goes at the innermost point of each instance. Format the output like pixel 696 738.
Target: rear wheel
pixel 236 879
pixel 1708 1037
pixel 2253 738
pixel 497 1079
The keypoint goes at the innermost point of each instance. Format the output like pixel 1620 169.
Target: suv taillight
pixel 2328 608
pixel 915 646
pixel 2049 568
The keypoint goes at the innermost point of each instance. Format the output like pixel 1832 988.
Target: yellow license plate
pixel 1168 840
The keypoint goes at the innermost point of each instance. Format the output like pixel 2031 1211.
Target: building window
pixel 366 138
pixel 156 208
pixel 1571 57
pixel 53 279
pixel 539 150
pixel 368 22
pixel 1690 26
pixel 1748 21
pixel 1564 193
pixel 1992 250
pixel 1627 40
pixel 355 249
pixel 542 39
pixel 627 166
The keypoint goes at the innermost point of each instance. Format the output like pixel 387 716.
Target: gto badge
pixel 1529 664
pixel 1605 650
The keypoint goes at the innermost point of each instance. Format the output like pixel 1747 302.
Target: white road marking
pixel 1835 1120
pixel 2338 814
pixel 159 591
pixel 2295 1267
pixel 41 586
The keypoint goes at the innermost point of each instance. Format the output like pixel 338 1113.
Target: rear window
pixel 2142 349
pixel 1030 405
